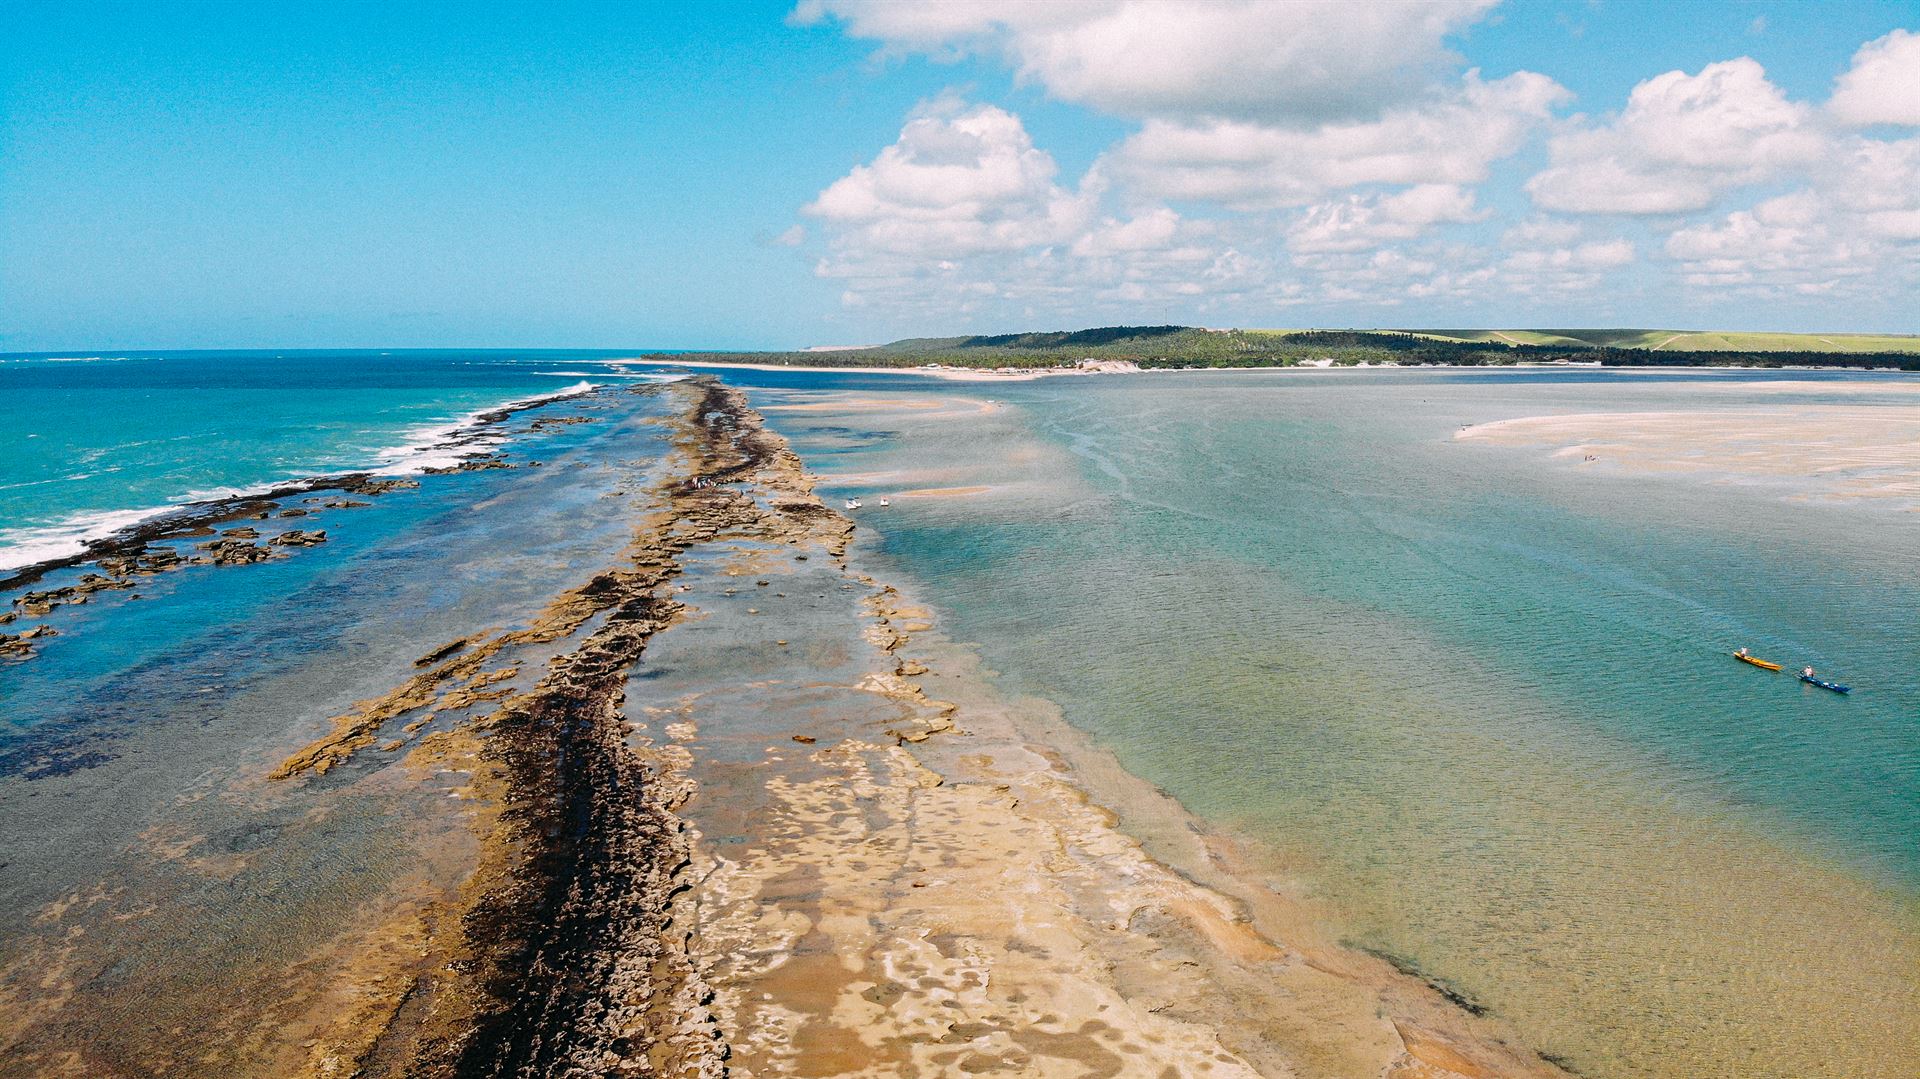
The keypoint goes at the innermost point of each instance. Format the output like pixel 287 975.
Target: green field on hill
pixel 1688 340
pixel 1196 347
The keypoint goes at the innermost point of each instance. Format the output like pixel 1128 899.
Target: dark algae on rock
pixel 565 960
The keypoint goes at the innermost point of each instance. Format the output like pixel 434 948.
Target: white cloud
pixel 1599 255
pixel 1854 227
pixel 1299 61
pixel 1446 138
pixel 1782 242
pixel 1580 268
pixel 955 183
pixel 1359 222
pixel 1807 242
pixel 964 210
pixel 1684 143
pixel 1387 277
pixel 1883 85
pixel 1305 203
pixel 1681 141
pixel 1556 257
pixel 1877 183
pixel 1153 230
pixel 1541 231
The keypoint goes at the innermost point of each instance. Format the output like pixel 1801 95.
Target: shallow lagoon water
pixel 1476 702
pixel 1471 703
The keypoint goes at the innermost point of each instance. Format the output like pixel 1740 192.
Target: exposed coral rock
pixel 472 464
pixel 546 423
pixel 567 963
pixel 367 485
pixel 230 552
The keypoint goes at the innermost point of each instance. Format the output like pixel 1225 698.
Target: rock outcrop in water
pixel 566 962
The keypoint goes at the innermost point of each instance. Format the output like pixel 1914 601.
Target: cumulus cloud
pixel 1855 227
pixel 1877 184
pixel 1558 271
pixel 1785 242
pixel 1353 115
pixel 1388 277
pixel 1256 178
pixel 962 208
pixel 1360 222
pixel 1549 256
pixel 957 182
pixel 1153 230
pixel 1304 61
pixel 1681 141
pixel 1541 231
pixel 1600 255
pixel 1450 137
pixel 1883 85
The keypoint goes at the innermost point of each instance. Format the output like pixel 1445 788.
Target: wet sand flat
pixel 890 879
pixel 1855 451
pixel 944 492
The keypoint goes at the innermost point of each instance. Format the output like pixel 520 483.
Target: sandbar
pixel 1850 451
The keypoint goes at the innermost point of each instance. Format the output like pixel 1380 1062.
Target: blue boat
pixel 1823 684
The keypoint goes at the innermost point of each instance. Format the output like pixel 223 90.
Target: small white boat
pixel 884 503
pixel 853 503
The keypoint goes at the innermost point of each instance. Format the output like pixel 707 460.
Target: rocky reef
pixel 565 961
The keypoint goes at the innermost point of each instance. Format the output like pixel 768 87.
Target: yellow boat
pixel 1756 662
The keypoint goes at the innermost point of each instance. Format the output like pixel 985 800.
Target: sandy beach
pixel 1853 451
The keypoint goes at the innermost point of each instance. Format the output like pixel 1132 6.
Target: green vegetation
pixel 1689 340
pixel 1191 347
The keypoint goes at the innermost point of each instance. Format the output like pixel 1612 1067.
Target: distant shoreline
pixel 970 374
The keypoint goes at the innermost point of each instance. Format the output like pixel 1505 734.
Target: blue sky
pixel 750 175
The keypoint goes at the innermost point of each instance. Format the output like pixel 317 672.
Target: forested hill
pixel 1189 347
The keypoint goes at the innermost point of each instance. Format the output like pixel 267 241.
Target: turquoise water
pixel 1473 703
pixel 161 905
pixel 1478 701
pixel 88 443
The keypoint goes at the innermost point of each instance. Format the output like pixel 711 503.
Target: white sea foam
pixel 22 547
pixel 445 444
pixel 432 446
